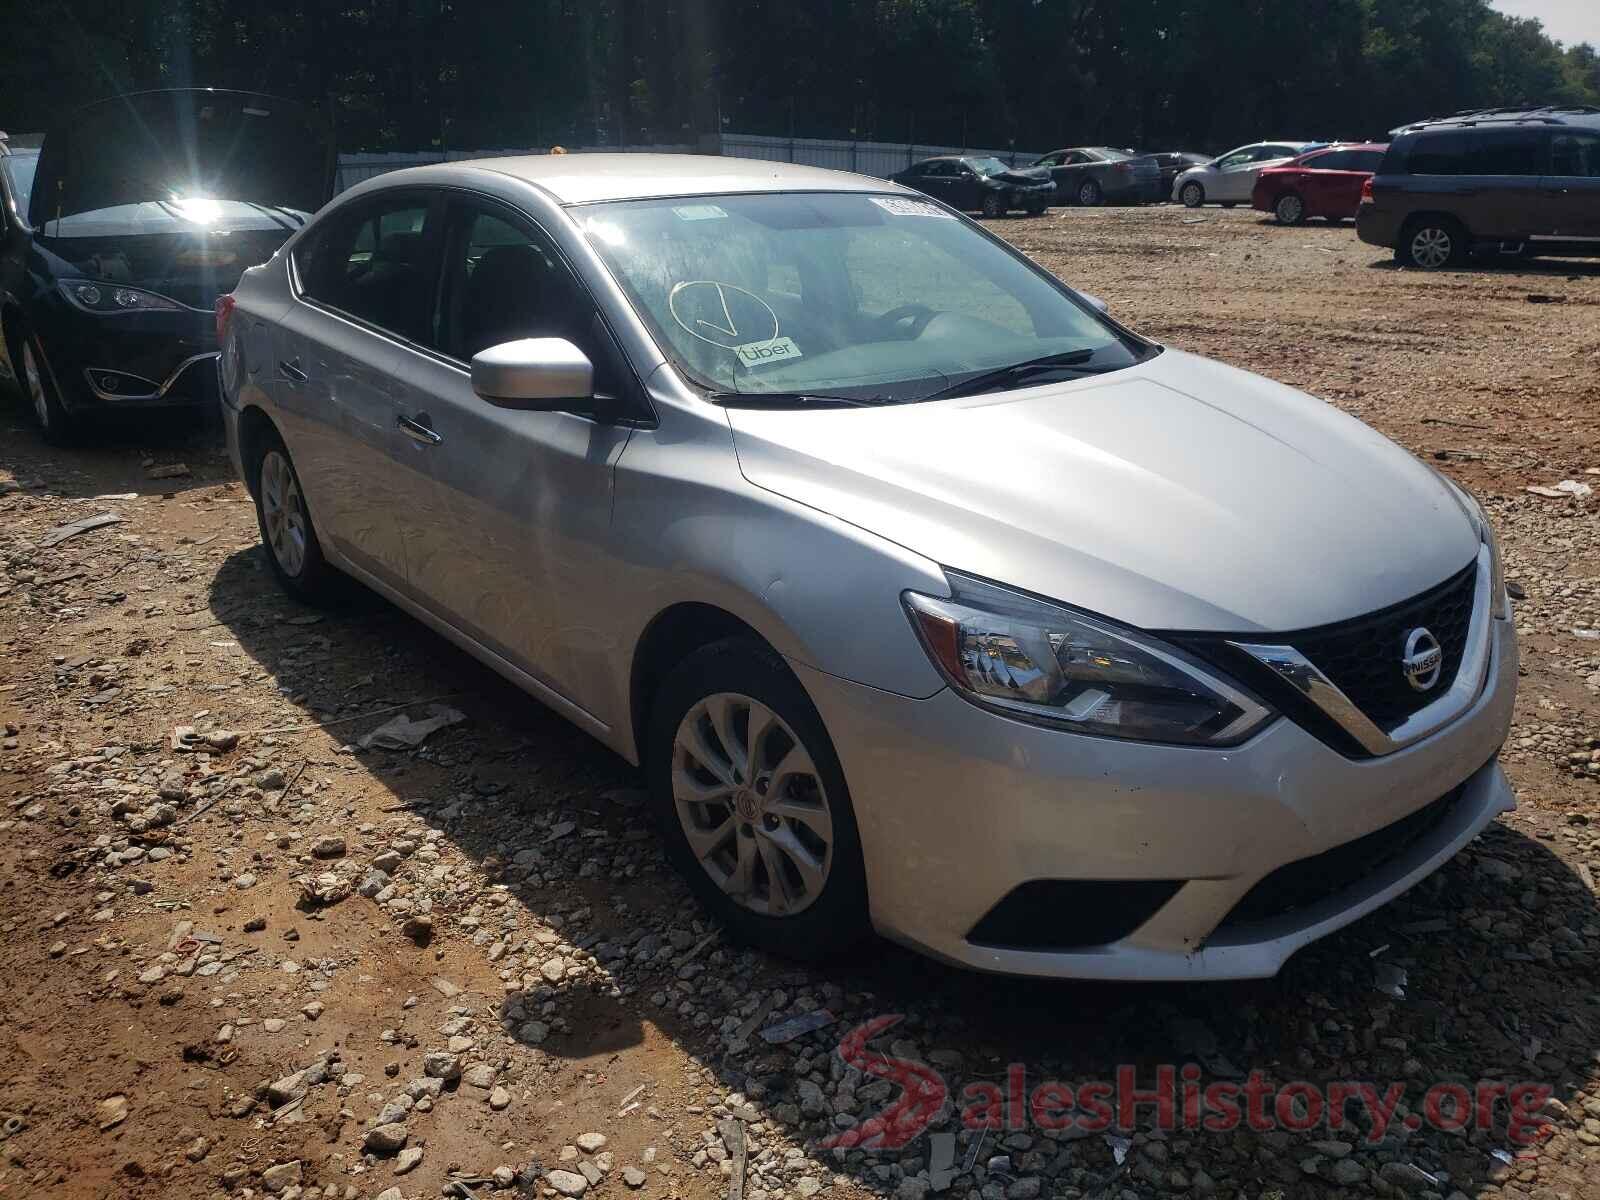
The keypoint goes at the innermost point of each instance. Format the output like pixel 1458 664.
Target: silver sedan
pixel 928 598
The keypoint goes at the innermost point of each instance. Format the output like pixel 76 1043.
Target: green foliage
pixel 426 74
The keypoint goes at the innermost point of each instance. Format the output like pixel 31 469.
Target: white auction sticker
pixel 779 349
pixel 910 208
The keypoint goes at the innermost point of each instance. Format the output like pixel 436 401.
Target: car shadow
pixel 114 457
pixel 1565 268
pixel 1494 956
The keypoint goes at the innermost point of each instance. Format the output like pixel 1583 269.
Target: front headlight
pixel 106 298
pixel 1044 662
pixel 1499 598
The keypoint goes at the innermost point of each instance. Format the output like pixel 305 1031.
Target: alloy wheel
pixel 283 512
pixel 752 805
pixel 35 382
pixel 1431 247
pixel 1193 195
pixel 1089 194
pixel 1290 210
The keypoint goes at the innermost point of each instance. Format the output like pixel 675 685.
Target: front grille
pixel 1298 884
pixel 1362 657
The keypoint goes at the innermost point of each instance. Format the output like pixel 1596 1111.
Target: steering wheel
pixel 919 315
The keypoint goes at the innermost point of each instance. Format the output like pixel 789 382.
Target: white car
pixel 1231 178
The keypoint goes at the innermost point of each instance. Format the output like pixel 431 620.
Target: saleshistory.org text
pixel 1176 1099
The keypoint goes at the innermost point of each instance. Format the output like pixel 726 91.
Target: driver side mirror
pixel 534 375
pixel 1095 302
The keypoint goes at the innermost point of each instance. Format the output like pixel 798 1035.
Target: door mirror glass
pixel 1095 302
pixel 536 374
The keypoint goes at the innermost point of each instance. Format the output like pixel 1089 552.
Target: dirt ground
pixel 229 949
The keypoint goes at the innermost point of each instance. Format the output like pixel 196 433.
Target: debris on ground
pixel 404 733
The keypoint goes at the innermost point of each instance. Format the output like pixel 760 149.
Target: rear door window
pixel 1334 160
pixel 1442 152
pixel 1509 152
pixel 1365 160
pixel 375 261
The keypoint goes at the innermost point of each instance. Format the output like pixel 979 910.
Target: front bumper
pixel 105 364
pixel 958 807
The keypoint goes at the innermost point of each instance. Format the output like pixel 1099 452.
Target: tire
pixel 793 885
pixel 1290 209
pixel 993 205
pixel 287 536
pixel 1431 243
pixel 54 422
pixel 1090 194
pixel 1230 204
pixel 1037 210
pixel 1192 194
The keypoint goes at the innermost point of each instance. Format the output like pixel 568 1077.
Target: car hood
pixel 195 143
pixel 1180 494
pixel 1024 175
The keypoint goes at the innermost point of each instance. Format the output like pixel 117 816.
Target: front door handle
pixel 291 371
pixel 418 430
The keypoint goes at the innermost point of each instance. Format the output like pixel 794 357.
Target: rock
pixel 633 1177
pixel 439 1065
pixel 331 846
pixel 431 1088
pixel 480 1076
pixel 504 1176
pixel 553 969
pixel 499 1099
pixel 385 1139
pixel 388 862
pixel 567 1183
pixel 1406 1176
pixel 272 780
pixel 113 1112
pixel 313 1010
pixel 1026 1188
pixel 591 1172
pixel 280 1176
pixel 392 1193
pixel 419 929
pixel 245 881
pixel 407 1159
pixel 533 1032
pixel 255 924
pixel 1346 1172
pixel 591 1143
pixel 915 1189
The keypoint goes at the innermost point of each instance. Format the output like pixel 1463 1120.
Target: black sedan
pixel 123 229
pixel 983 185
pixel 1091 175
pixel 1174 163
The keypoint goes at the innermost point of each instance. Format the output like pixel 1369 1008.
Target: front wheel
pixel 293 551
pixel 1290 209
pixel 1432 243
pixel 1193 195
pixel 993 206
pixel 54 423
pixel 752 803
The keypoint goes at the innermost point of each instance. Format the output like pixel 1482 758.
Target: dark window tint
pixel 373 261
pixel 941 170
pixel 1445 152
pixel 1365 160
pixel 1509 152
pixel 503 281
pixel 1575 154
pixel 1333 160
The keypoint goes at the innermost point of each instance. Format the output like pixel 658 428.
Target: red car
pixel 1324 183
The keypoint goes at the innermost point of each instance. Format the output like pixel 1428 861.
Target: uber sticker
pixel 754 354
pixel 700 212
pixel 910 208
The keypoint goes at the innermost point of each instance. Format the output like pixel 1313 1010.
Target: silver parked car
pixel 928 597
pixel 1230 178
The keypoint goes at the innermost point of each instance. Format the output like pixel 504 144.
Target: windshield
pixel 880 297
pixel 987 166
pixel 19 169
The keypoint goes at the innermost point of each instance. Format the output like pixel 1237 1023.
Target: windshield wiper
pixel 791 400
pixel 1019 371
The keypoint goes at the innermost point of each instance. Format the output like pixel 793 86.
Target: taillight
pixel 1366 190
pixel 225 305
pixel 1123 168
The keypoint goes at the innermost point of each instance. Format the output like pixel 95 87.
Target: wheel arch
pixel 254 428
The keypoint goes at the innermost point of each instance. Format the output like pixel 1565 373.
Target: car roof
pixel 1585 115
pixel 1348 146
pixel 588 178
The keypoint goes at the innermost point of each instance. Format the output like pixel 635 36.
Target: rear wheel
pixel 1089 194
pixel 752 803
pixel 1430 243
pixel 54 422
pixel 1192 194
pixel 993 206
pixel 293 551
pixel 1290 209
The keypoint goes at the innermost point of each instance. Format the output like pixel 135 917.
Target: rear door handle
pixel 291 371
pixel 418 430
